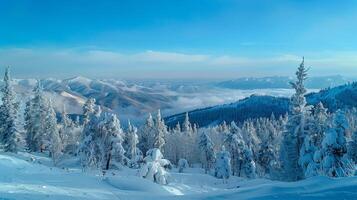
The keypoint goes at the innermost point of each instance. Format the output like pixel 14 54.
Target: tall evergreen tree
pixel 186 125
pixel 249 166
pixel 160 132
pixel 35 115
pixel 88 109
pixel 10 134
pixel 147 135
pixel 113 138
pixel 294 135
pixel 207 151
pixel 133 153
pixel 51 129
pixel 235 145
pixel 89 149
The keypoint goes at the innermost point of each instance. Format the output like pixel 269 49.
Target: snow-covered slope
pixel 31 177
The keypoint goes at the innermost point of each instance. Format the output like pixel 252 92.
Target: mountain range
pixel 255 106
pixel 282 82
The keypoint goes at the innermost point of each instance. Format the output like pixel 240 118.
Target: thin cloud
pixel 69 62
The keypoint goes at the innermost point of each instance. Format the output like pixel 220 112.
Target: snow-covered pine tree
pixel 224 128
pixel 188 140
pixel 207 151
pixel 51 129
pixel 223 164
pixel 249 167
pixel 147 135
pixel 294 134
pixel 334 147
pixel 235 145
pixel 133 153
pixel 89 152
pixel 160 132
pixel 70 132
pixel 11 137
pixel 88 109
pixel 113 138
pixel 66 130
pixel 307 152
pixel 320 120
pixel 186 125
pixel 310 153
pixel 35 115
pixel 173 146
pixel 268 151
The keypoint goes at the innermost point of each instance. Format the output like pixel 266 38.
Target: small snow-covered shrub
pixel 154 167
pixel 182 164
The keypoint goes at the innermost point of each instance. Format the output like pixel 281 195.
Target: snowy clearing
pixel 31 177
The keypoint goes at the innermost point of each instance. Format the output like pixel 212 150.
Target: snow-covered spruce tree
pixel 268 151
pixel 70 132
pixel 35 115
pixel 310 153
pixel 295 132
pixel 133 153
pixel 249 167
pixel 320 120
pixel 207 151
pixel 89 150
pixel 160 132
pixel 154 167
pixel 223 164
pixel 112 137
pixel 334 146
pixel 186 125
pixel 306 160
pixel 66 124
pixel 250 136
pixel 10 135
pixel 147 135
pixel 88 109
pixel 51 129
pixel 188 141
pixel 235 145
pixel 173 147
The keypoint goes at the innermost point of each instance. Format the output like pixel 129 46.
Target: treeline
pixel 310 141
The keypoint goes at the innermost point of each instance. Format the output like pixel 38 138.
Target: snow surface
pixel 32 177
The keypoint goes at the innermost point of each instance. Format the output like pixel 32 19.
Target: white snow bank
pixel 32 177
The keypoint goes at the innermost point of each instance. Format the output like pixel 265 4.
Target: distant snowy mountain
pixel 282 82
pixel 129 100
pixel 135 99
pixel 255 106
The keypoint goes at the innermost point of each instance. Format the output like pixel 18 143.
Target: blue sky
pixel 177 38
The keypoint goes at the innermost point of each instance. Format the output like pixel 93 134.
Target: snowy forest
pixel 307 141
